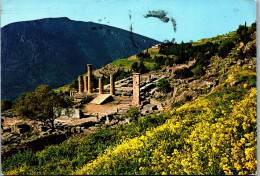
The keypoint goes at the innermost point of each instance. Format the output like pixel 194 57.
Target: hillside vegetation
pixel 211 134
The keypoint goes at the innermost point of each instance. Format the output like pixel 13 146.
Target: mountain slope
pixel 213 133
pixel 54 51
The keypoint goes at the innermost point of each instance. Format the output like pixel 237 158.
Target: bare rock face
pixel 250 48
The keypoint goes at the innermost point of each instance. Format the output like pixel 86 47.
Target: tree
pixel 164 85
pixel 242 33
pixel 142 68
pixel 225 47
pixel 135 66
pixel 43 105
pixel 6 104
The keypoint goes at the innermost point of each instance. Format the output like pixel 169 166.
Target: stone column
pixel 85 79
pixel 81 84
pixel 90 79
pixel 136 89
pixel 112 85
pixel 101 85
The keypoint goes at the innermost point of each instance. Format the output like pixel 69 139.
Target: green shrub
pixel 198 71
pixel 133 114
pixel 164 85
pixel 177 104
pixel 183 73
pixel 225 47
pixel 250 80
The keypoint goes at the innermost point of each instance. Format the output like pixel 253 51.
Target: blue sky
pixel 195 19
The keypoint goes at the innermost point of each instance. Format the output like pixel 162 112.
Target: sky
pixel 195 19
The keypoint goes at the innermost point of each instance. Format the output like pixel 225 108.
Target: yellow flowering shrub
pixel 196 140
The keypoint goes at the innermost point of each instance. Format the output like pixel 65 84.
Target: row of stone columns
pixel 86 83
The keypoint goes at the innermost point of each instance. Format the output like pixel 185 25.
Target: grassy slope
pixel 215 134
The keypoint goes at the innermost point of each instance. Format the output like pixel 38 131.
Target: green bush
pixel 177 104
pixel 133 114
pixel 250 80
pixel 198 71
pixel 225 47
pixel 140 68
pixel 183 73
pixel 164 85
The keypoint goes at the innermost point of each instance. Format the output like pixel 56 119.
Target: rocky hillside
pixel 54 51
pixel 208 129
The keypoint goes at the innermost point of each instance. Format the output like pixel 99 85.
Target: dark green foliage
pixel 133 114
pixel 161 61
pixel 143 54
pixel 156 66
pixel 225 47
pixel 6 104
pixel 135 66
pixel 140 68
pixel 164 85
pixel 185 51
pixel 19 159
pixel 198 71
pixel 43 104
pixel 183 73
pixel 120 74
pixel 177 104
pixel 252 28
pixel 250 80
pixel 242 32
